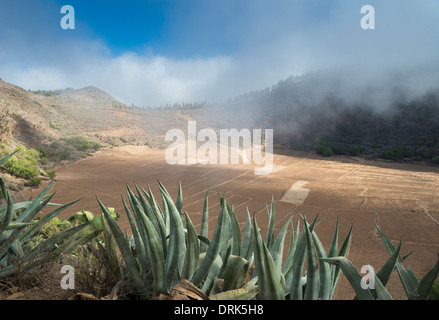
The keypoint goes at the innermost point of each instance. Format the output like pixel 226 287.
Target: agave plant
pixel 290 280
pixel 164 247
pixel 17 232
pixel 414 289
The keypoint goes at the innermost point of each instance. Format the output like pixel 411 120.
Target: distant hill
pixel 385 120
pixel 38 118
pixel 55 127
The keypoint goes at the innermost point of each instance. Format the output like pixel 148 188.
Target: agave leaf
pixel 270 287
pixel 294 276
pixel 7 217
pixel 219 238
pixel 225 254
pixel 18 225
pixel 407 255
pixel 342 253
pixel 213 271
pixel 325 270
pixel 192 250
pixel 35 207
pixel 235 232
pixel 203 240
pixel 246 244
pixel 142 253
pixel 153 203
pixel 294 239
pixel 11 236
pixel 408 279
pixel 109 250
pixel 177 244
pixel 277 249
pixel 380 290
pixel 179 201
pixel 166 216
pixel 235 272
pixel 154 218
pixel 269 237
pixel 352 276
pixel 333 249
pixel 247 293
pixel 312 289
pixel 125 250
pixel 37 226
pixel 7 157
pixel 205 223
pixel 156 208
pixel 156 256
pixel 386 271
pixel 426 283
pixel 21 205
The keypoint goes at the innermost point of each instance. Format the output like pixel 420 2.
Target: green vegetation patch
pixel 24 164
pixel 397 153
pixel 83 144
pixel 72 148
pixel 50 93
pixel 328 149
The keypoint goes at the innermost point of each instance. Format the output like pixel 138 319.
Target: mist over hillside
pixel 347 108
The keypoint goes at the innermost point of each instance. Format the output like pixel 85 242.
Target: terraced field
pixel 401 198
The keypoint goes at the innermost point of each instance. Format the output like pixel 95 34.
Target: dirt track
pixel 400 198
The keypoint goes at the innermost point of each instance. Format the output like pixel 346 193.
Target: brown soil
pixel 400 198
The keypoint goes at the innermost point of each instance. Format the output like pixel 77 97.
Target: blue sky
pixel 151 52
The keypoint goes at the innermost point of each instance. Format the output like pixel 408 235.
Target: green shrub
pixel 63 155
pixel 376 145
pixel 55 126
pixel 391 155
pixel 43 152
pixel 56 144
pixel 83 144
pixel 323 148
pixel 408 153
pixel 327 152
pixel 339 150
pixel 21 168
pixel 424 152
pixel 51 174
pixel 435 159
pixel 4 150
pixel 397 153
pixel 356 150
pixel 34 182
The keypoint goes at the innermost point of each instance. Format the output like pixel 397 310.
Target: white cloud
pixel 273 39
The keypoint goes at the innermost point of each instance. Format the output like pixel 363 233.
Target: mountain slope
pixel 321 108
pixel 35 119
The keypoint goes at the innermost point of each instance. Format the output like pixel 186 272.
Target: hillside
pixel 35 119
pixel 316 111
pixel 52 128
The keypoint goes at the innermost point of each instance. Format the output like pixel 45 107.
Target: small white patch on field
pixel 296 194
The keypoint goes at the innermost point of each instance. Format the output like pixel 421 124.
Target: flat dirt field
pixel 402 199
